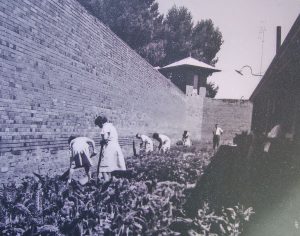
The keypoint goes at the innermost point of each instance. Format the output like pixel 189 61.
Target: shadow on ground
pixel 270 183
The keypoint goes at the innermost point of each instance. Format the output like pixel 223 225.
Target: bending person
pixel 164 142
pixel 146 143
pixel 81 155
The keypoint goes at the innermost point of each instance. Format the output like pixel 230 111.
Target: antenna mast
pixel 262 34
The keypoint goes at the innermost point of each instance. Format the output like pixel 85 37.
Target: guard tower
pixel 189 75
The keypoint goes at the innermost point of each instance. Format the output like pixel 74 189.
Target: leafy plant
pixel 149 204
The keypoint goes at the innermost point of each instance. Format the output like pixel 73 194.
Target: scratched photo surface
pixel 149 117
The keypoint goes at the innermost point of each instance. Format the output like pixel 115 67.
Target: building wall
pixel 233 116
pixel 276 98
pixel 60 67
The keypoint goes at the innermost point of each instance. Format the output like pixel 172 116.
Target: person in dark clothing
pixel 186 139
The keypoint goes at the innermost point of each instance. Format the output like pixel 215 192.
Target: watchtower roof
pixel 191 63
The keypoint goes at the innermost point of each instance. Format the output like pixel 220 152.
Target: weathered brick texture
pixel 60 67
pixel 233 116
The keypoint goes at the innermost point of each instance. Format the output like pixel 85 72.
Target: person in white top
pixel 186 140
pixel 82 149
pixel 164 142
pixel 217 132
pixel 113 158
pixel 273 136
pixel 146 143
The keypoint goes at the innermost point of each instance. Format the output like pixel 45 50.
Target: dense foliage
pixel 148 203
pixel 182 38
pixel 136 22
pixel 211 89
pixel 159 39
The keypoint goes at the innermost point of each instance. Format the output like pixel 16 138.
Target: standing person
pixel 146 143
pixel 113 158
pixel 81 155
pixel 217 132
pixel 186 140
pixel 164 142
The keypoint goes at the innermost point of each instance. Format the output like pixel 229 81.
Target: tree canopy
pixel 211 89
pixel 137 22
pixel 159 39
pixel 178 31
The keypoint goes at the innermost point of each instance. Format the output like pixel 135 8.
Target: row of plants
pixel 150 202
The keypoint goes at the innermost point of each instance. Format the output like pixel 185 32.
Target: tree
pixel 178 31
pixel 206 41
pixel 202 41
pixel 160 40
pixel 137 22
pixel 211 89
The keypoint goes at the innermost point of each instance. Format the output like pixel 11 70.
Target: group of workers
pixel 82 149
pixel 164 141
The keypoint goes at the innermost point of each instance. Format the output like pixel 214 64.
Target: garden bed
pixel 149 203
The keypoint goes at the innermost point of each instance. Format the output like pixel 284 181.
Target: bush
pixel 149 204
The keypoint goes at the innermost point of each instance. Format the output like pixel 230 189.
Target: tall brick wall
pixel 233 116
pixel 194 118
pixel 59 68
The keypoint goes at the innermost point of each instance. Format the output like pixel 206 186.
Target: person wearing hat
pixel 146 143
pixel 164 142
pixel 186 140
pixel 217 132
pixel 82 149
pixel 113 158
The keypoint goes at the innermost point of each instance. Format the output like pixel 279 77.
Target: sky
pixel 241 23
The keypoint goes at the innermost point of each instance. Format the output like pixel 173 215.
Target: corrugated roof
pixel 190 62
